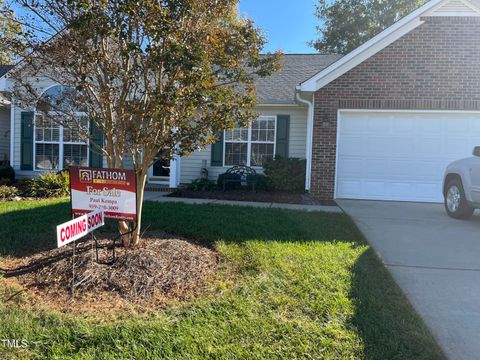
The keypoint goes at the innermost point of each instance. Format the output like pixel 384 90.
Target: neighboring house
pixel 379 123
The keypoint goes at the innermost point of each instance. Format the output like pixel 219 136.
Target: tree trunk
pixel 141 180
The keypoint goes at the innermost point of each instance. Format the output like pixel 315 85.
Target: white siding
pixel 4 134
pixel 455 8
pixel 191 166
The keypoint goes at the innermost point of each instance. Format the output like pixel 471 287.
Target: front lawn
pixel 291 285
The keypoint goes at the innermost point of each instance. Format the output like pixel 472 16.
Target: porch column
pixel 175 172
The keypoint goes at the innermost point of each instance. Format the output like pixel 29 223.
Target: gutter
pixel 309 142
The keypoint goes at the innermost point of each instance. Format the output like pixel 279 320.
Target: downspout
pixel 309 142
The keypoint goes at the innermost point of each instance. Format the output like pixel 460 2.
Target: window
pixel 47 144
pixel 57 147
pixel 253 145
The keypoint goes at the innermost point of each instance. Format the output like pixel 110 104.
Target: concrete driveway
pixel 436 262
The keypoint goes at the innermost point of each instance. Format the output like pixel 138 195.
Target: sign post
pixel 75 229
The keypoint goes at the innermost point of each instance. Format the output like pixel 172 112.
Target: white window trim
pixel 250 142
pixel 60 143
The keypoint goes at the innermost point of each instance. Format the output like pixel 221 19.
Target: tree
pixel 152 75
pixel 9 29
pixel 347 24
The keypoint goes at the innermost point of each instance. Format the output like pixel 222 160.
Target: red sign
pixel 113 191
pixel 79 227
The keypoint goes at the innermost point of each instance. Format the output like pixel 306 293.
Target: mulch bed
pixel 249 195
pixel 159 269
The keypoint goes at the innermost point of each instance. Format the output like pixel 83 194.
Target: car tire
pixel 456 203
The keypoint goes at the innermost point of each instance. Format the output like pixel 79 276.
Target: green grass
pixel 307 286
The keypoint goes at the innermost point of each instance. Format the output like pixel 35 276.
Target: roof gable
pixel 455 8
pixel 387 37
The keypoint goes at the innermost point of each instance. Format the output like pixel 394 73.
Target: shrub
pixel 8 192
pixel 49 185
pixel 5 181
pixel 262 182
pixel 229 185
pixel 202 184
pixel 7 172
pixel 286 174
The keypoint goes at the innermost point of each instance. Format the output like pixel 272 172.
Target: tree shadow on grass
pixel 31 229
pixel 388 324
pixel 211 223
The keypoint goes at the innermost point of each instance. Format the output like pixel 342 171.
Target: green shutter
pixel 26 149
pixel 96 157
pixel 283 135
pixel 217 151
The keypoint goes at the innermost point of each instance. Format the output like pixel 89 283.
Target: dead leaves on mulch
pixel 160 269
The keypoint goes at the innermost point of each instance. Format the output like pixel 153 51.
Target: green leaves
pixel 347 24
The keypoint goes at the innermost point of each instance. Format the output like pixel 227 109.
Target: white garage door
pixel 400 155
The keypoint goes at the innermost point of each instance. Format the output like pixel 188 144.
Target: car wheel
pixel 455 202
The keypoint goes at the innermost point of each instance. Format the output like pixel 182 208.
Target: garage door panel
pixel 378 126
pixel 403 126
pixel 401 155
pixel 354 145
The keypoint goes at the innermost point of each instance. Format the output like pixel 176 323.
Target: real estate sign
pixel 79 227
pixel 113 191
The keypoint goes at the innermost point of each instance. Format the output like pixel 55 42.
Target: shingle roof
pixel 280 87
pixel 4 69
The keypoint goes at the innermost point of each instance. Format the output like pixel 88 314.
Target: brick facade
pixel 436 67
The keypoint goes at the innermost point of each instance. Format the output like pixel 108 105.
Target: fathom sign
pixel 79 227
pixel 112 190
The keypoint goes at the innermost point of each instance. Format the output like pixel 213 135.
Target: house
pixel 281 128
pixel 381 122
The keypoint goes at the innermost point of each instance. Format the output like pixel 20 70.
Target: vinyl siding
pixel 4 134
pixel 455 8
pixel 191 166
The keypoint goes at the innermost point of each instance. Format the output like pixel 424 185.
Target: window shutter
pixel 283 135
pixel 217 151
pixel 26 149
pixel 96 157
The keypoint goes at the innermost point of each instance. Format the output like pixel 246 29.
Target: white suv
pixel 461 186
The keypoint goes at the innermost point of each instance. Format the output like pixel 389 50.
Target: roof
pixel 386 37
pixel 4 69
pixel 279 88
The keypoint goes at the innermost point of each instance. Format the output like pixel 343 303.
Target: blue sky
pixel 288 24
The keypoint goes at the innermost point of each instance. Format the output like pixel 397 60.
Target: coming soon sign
pixel 114 191
pixel 79 227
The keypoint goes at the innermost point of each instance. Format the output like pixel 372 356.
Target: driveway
pixel 436 262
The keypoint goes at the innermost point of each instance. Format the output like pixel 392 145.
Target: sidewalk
pixel 162 197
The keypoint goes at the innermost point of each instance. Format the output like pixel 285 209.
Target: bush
pixel 229 185
pixel 48 185
pixel 202 184
pixel 7 173
pixel 263 183
pixel 5 181
pixel 286 174
pixel 8 192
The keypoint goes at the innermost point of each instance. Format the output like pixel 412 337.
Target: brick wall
pixel 436 67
